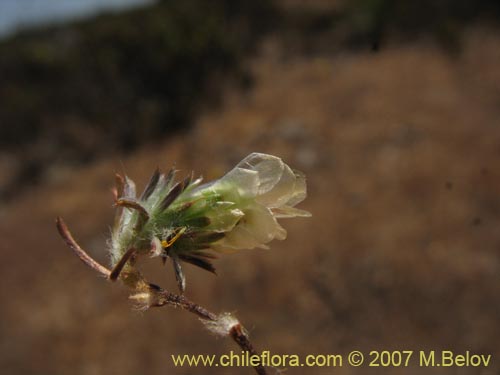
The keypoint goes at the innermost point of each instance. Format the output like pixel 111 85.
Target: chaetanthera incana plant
pixel 187 221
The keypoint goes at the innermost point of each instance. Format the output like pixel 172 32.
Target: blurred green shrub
pixel 372 20
pixel 112 82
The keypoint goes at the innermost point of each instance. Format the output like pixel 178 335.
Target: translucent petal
pixel 288 212
pixel 287 188
pixel 224 220
pixel 255 229
pixel 268 167
pixel 299 190
pixel 243 181
pixel 238 239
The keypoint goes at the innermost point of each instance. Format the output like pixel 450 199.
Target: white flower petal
pixel 224 220
pixel 299 190
pixel 268 167
pixel 290 187
pixel 255 229
pixel 243 181
pixel 260 189
pixel 287 212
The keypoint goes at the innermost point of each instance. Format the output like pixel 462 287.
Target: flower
pixel 261 189
pixel 185 220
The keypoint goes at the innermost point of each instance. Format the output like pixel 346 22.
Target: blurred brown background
pixel 392 109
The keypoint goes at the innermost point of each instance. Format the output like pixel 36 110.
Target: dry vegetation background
pixel 397 129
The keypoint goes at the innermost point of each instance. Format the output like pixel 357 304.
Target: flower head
pixel 261 189
pixel 184 220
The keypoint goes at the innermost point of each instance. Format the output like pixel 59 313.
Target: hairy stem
pixel 80 253
pixel 162 297
pixel 239 335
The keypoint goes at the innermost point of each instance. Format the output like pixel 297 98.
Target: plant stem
pixel 162 297
pixel 80 253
